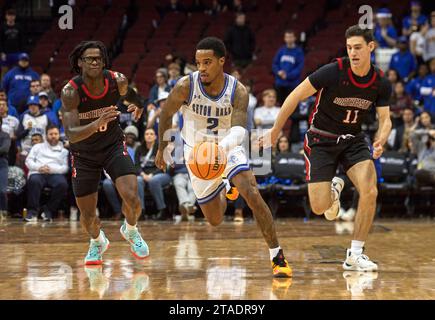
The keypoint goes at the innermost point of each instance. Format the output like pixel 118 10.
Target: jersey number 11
pixel 349 116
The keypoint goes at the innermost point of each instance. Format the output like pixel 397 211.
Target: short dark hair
pixel 50 127
pixel 77 52
pixel 357 31
pixel 11 12
pixel 289 31
pixel 213 43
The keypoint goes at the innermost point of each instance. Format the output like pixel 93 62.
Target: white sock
pixel 129 227
pixel 100 238
pixel 357 247
pixel 273 252
pixel 227 184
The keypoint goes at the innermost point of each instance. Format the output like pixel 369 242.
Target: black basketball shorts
pixel 324 154
pixel 87 167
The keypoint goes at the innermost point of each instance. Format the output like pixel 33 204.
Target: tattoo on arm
pixel 70 116
pixel 178 95
pixel 240 108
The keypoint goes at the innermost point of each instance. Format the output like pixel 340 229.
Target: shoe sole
pixel 353 268
pixel 131 250
pixel 330 217
pixel 97 262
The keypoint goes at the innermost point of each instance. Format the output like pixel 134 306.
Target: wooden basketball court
pixel 192 260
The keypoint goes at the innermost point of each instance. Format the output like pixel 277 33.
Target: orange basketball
pixel 207 161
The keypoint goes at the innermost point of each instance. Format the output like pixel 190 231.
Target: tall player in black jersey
pixel 90 116
pixel 346 90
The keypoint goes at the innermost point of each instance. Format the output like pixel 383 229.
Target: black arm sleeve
pixel 325 76
pixel 133 97
pixel 384 95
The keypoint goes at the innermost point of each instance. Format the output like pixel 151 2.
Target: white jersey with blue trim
pixel 207 118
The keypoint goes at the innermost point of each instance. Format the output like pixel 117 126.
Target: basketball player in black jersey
pixel 89 116
pixel 346 90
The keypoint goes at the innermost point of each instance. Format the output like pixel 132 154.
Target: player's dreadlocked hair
pixel 76 54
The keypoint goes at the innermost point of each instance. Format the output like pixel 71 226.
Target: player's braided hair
pixel 77 53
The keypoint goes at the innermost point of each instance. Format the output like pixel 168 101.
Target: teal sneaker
pixel 138 246
pixel 96 250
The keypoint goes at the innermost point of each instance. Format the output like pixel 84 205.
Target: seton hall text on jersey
pixel 206 110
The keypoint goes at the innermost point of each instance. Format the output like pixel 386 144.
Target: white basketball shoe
pixel 337 186
pixel 358 262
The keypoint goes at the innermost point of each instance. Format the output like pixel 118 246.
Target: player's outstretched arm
pixel 302 91
pixel 239 119
pixel 178 95
pixel 384 130
pixel 70 116
pixel 129 95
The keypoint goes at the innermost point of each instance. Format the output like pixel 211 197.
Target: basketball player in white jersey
pixel 213 101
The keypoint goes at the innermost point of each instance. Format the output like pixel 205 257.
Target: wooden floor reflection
pixel 197 261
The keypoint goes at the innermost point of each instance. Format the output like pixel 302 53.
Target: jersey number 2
pixel 349 116
pixel 212 123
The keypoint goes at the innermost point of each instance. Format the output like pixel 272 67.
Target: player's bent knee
pixel 215 221
pixel 371 193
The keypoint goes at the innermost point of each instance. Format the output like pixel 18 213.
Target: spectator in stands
pixel 412 22
pixel 423 143
pixel 11 40
pixel 393 77
pixel 9 123
pixel 11 109
pixel 429 39
pixel 385 33
pixel 16 82
pixel 236 73
pixel 424 121
pixel 131 136
pixel 413 86
pixel 287 66
pixel 32 118
pixel 265 116
pixel 399 136
pixel 5 143
pixel 240 42
pixel 36 136
pixel 144 162
pixel 46 108
pixel 399 101
pixel 283 145
pixel 154 114
pixel 403 61
pixel 183 186
pixel 215 8
pixel 160 86
pixel 149 174
pixel 174 74
pixel 35 87
pixel 47 163
pixel 174 6
pixel 417 42
pixel 46 86
pixel 427 89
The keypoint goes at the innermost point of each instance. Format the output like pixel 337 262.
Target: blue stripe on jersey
pixel 220 95
pixel 190 88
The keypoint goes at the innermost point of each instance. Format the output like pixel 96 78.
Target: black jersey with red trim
pixel 344 99
pixel 90 109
